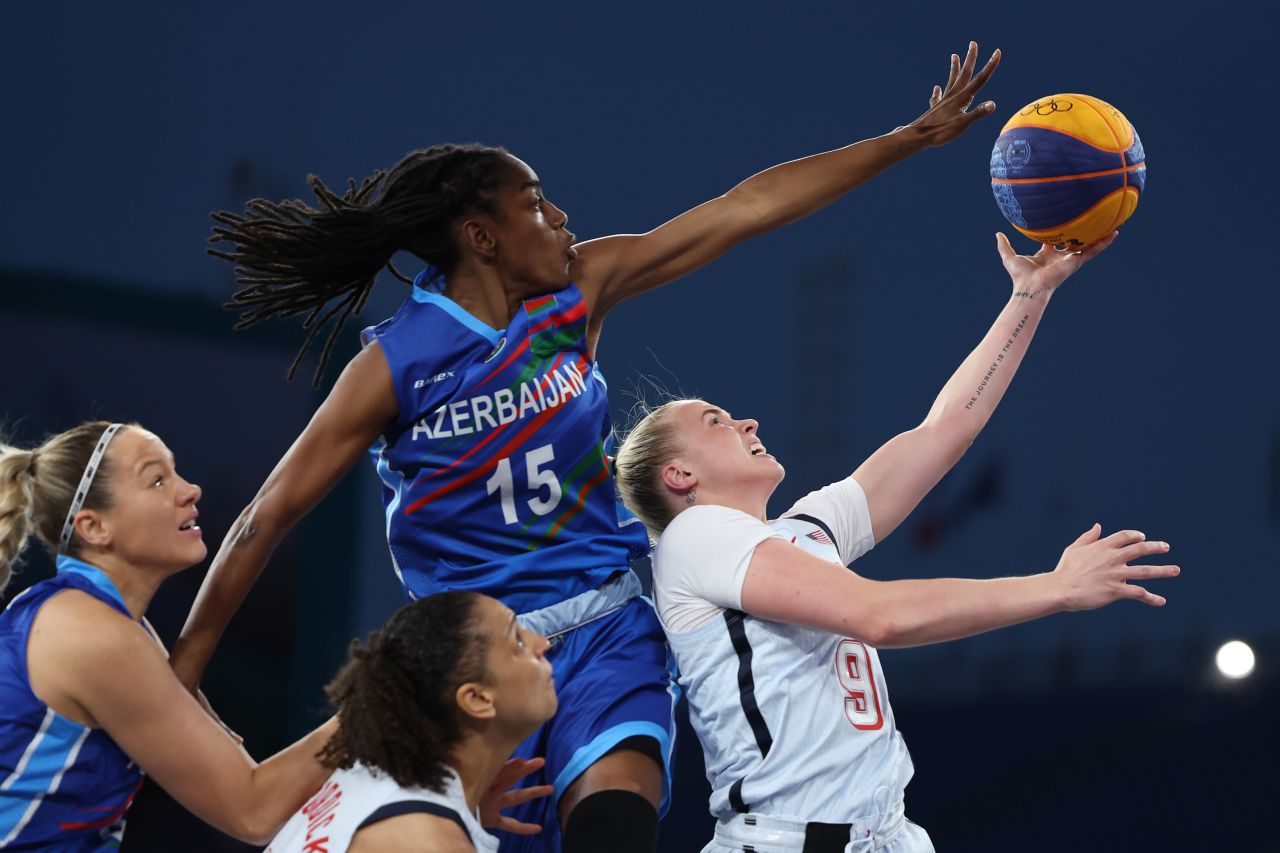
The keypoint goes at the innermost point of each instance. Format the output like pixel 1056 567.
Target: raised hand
pixel 500 796
pixel 1096 571
pixel 1038 276
pixel 949 115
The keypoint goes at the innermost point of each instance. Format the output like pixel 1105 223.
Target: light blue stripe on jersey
pixel 50 753
pixel 71 566
pixel 385 472
pixel 460 314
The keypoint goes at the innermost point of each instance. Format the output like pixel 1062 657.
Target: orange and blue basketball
pixel 1067 170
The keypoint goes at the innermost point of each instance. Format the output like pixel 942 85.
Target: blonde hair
pixel 650 444
pixel 38 485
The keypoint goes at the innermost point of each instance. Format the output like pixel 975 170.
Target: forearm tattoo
pixel 991 371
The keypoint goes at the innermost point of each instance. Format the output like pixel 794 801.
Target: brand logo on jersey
pixel 435 378
pixel 501 345
pixel 819 536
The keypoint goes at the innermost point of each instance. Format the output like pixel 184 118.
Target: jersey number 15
pixel 537 479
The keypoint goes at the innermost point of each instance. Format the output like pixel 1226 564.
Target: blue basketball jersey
pixel 496 473
pixel 65 787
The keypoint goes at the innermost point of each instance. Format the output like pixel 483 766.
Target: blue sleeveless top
pixel 496 475
pixel 63 786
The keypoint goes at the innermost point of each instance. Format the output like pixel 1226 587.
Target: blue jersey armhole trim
pixel 607 740
pixel 459 313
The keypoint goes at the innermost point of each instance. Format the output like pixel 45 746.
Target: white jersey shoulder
pixel 354 798
pixel 794 722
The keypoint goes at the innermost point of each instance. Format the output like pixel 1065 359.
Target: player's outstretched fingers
pixel 1138 550
pixel 982 110
pixel 951 75
pixel 516 827
pixel 935 96
pixel 1149 572
pixel 1145 596
pixel 984 75
pixel 1124 538
pixel 520 796
pixel 970 61
pixel 1089 536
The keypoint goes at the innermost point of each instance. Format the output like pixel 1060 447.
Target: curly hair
pixel 395 696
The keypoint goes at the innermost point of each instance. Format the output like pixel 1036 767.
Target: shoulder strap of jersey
pixel 404 807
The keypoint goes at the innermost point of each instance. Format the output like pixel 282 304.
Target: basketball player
pixel 488 421
pixel 439 697
pixel 776 648
pixel 88 702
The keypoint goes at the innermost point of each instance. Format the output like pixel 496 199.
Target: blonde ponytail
pixel 648 446
pixel 38 486
pixel 17 498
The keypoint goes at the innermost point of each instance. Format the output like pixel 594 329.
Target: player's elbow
pixel 254 827
pixel 878 629
pixel 268 514
pixel 950 432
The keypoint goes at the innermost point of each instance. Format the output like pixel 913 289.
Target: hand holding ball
pixel 1067 170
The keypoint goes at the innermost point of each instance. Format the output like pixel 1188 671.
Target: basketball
pixel 1067 170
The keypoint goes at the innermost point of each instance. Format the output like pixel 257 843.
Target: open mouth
pixel 757 449
pixel 189 524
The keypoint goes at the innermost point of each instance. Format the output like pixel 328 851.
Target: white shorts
pixel 762 834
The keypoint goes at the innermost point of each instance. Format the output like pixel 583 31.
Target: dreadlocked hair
pixel 291 258
pixel 395 696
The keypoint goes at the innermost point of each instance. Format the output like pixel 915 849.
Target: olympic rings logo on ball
pixel 1043 108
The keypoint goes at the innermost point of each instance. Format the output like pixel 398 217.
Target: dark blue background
pixel 1149 399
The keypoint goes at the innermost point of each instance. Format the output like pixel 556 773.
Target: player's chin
pixel 195 553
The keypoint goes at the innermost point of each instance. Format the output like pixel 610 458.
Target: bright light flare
pixel 1235 659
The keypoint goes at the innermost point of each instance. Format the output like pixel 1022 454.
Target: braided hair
pixel 291 258
pixel 395 696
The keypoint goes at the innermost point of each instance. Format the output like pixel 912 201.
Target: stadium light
pixel 1235 659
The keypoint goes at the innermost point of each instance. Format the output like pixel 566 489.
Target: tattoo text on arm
pixel 991 371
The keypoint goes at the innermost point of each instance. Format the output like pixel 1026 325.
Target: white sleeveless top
pixel 352 799
pixel 794 723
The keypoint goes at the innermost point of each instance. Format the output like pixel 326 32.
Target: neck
pixel 479 760
pixel 137 587
pixel 754 505
pixel 482 291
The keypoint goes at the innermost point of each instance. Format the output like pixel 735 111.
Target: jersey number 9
pixel 862 699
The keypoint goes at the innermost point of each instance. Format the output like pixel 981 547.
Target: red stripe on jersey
pixel 491 462
pixel 116 814
pixel 464 457
pixel 582 499
pixel 574 313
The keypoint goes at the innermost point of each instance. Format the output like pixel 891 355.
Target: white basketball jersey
pixel 352 799
pixel 794 723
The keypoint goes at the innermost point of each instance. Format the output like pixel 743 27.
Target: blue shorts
pixel 614 680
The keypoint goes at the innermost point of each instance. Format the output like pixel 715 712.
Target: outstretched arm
pixel 785 583
pixel 898 475
pixel 97 664
pixel 354 414
pixel 611 269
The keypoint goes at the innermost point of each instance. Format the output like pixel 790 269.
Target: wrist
pixel 1029 296
pixel 1051 591
pixel 906 140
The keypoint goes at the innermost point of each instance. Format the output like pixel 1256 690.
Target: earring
pixel 690 495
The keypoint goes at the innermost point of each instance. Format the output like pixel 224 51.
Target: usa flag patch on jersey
pixel 819 536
